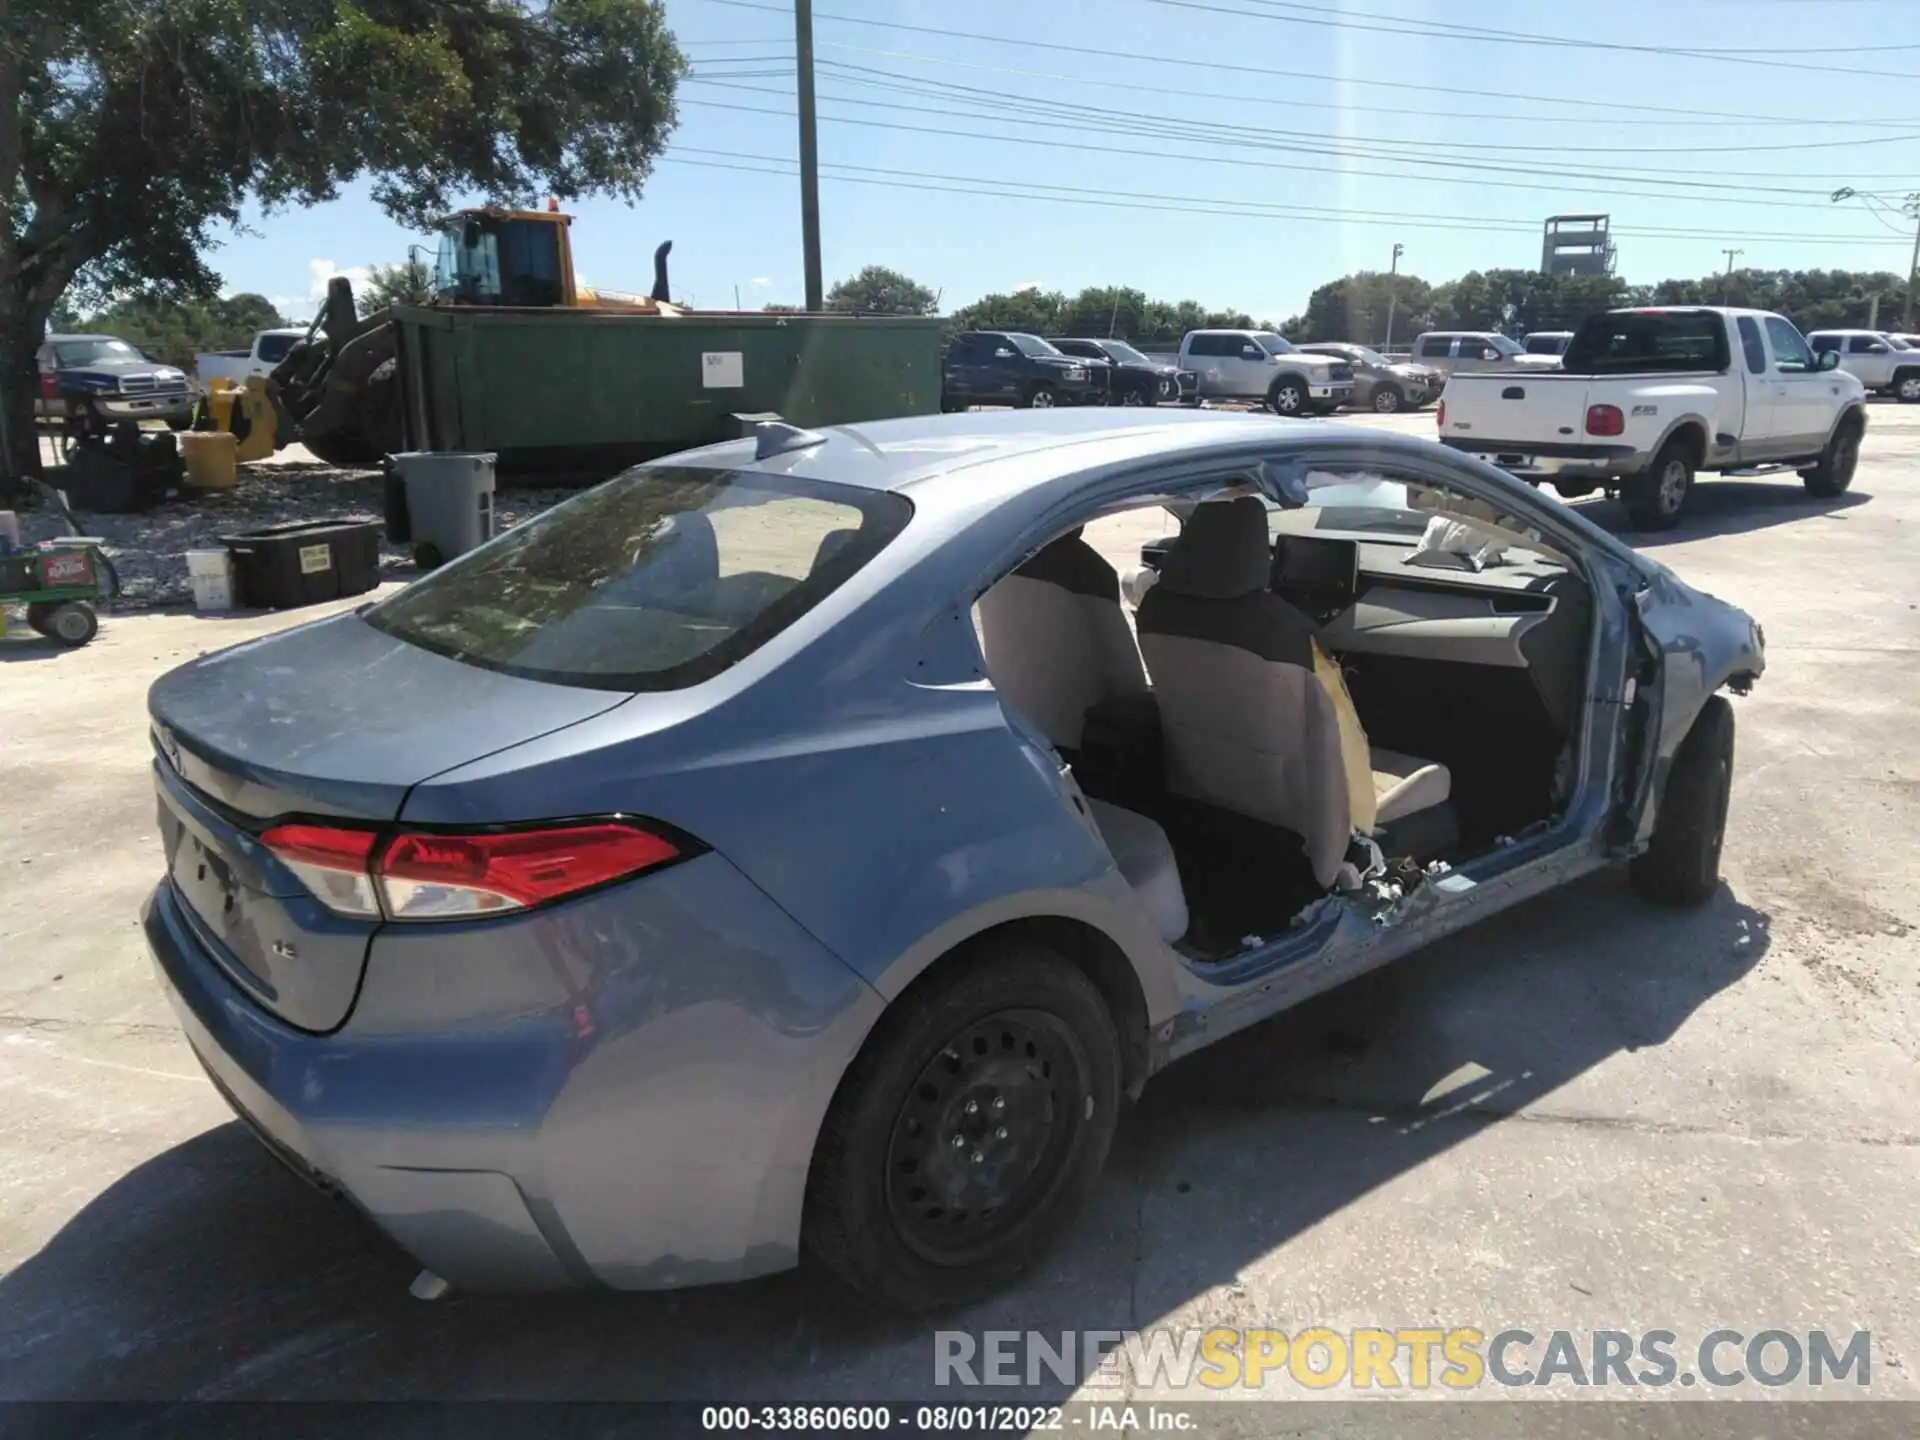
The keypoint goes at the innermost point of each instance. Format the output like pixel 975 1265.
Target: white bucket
pixel 211 572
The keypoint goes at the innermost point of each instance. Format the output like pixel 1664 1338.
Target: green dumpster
pixel 581 393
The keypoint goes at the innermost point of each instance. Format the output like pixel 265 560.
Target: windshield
pixel 1546 344
pixel 658 579
pixel 1032 345
pixel 1897 343
pixel 1364 355
pixel 274 348
pixel 1273 344
pixel 1123 352
pixel 94 352
pixel 1505 346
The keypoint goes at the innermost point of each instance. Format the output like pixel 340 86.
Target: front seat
pixel 1255 716
pixel 1056 641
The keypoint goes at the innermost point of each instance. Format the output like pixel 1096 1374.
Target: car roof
pixel 87 336
pixel 943 456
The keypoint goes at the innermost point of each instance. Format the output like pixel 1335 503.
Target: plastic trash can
pixel 441 502
pixel 304 563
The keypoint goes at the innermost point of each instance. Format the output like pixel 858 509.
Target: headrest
pixel 1222 553
pixel 1073 564
pixel 831 544
pixel 681 552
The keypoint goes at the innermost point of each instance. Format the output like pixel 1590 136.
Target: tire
pixel 37 614
pixel 70 624
pixel 1681 866
pixel 1287 396
pixel 1040 397
pixel 1387 400
pixel 1011 1025
pixel 1838 461
pixel 1906 387
pixel 178 425
pixel 427 556
pixel 1136 395
pixel 1655 497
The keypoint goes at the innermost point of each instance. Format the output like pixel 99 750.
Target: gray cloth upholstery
pixel 1056 641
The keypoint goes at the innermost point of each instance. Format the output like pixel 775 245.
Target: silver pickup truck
pixel 1646 399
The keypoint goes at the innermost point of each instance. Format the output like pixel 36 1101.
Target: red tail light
pixel 1440 415
pixel 415 876
pixel 1605 420
pixel 49 386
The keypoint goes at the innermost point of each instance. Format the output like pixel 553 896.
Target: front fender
pixel 1697 644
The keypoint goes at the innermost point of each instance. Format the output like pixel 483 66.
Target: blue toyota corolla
pixel 805 844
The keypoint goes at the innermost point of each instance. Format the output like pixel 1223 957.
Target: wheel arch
pixel 1855 414
pixel 1694 431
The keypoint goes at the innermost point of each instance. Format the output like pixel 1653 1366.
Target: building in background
pixel 1576 245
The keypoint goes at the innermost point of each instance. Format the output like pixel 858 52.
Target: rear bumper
pixel 1538 460
pixel 604 1110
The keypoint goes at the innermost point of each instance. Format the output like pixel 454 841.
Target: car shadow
pixel 1725 507
pixel 209 1272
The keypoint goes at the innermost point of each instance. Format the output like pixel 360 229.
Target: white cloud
pixel 319 272
pixel 1025 285
pixel 761 282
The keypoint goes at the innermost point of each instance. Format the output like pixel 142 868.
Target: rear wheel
pixel 1906 387
pixel 1287 396
pixel 71 624
pixel 1387 400
pixel 1655 497
pixel 1838 461
pixel 1040 397
pixel 1681 865
pixel 967 1132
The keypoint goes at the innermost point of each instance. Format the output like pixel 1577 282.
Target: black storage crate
pixel 304 563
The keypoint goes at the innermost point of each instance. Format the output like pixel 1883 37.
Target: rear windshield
pixel 275 347
pixel 1637 341
pixel 658 579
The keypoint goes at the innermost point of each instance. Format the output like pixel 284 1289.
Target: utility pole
pixel 1730 254
pixel 1910 207
pixel 809 155
pixel 1393 293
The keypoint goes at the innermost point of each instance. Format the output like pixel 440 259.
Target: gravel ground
pixel 150 551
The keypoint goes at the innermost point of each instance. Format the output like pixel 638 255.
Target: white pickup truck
pixel 1648 398
pixel 269 348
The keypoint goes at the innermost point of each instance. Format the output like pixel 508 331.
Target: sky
pixel 1262 147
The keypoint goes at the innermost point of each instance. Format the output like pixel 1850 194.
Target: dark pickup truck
pixel 95 381
pixel 1134 378
pixel 1000 367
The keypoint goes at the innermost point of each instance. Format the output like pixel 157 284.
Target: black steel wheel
pixel 967 1132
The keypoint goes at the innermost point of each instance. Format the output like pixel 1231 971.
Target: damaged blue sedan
pixel 803 846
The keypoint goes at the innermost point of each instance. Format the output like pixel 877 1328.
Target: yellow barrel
pixel 209 457
pixel 261 423
pixel 222 395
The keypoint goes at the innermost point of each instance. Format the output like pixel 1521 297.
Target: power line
pixel 1265 71
pixel 1407 27
pixel 1557 116
pixel 1153 131
pixel 1071 195
pixel 998 95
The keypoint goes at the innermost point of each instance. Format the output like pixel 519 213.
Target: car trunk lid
pixel 333 720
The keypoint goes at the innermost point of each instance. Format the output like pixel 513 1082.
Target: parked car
pixel 94 381
pixel 268 349
pixel 1883 363
pixel 661 890
pixel 1133 378
pixel 1380 384
pixel 1653 397
pixel 1453 352
pixel 1001 367
pixel 1260 365
pixel 1546 342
